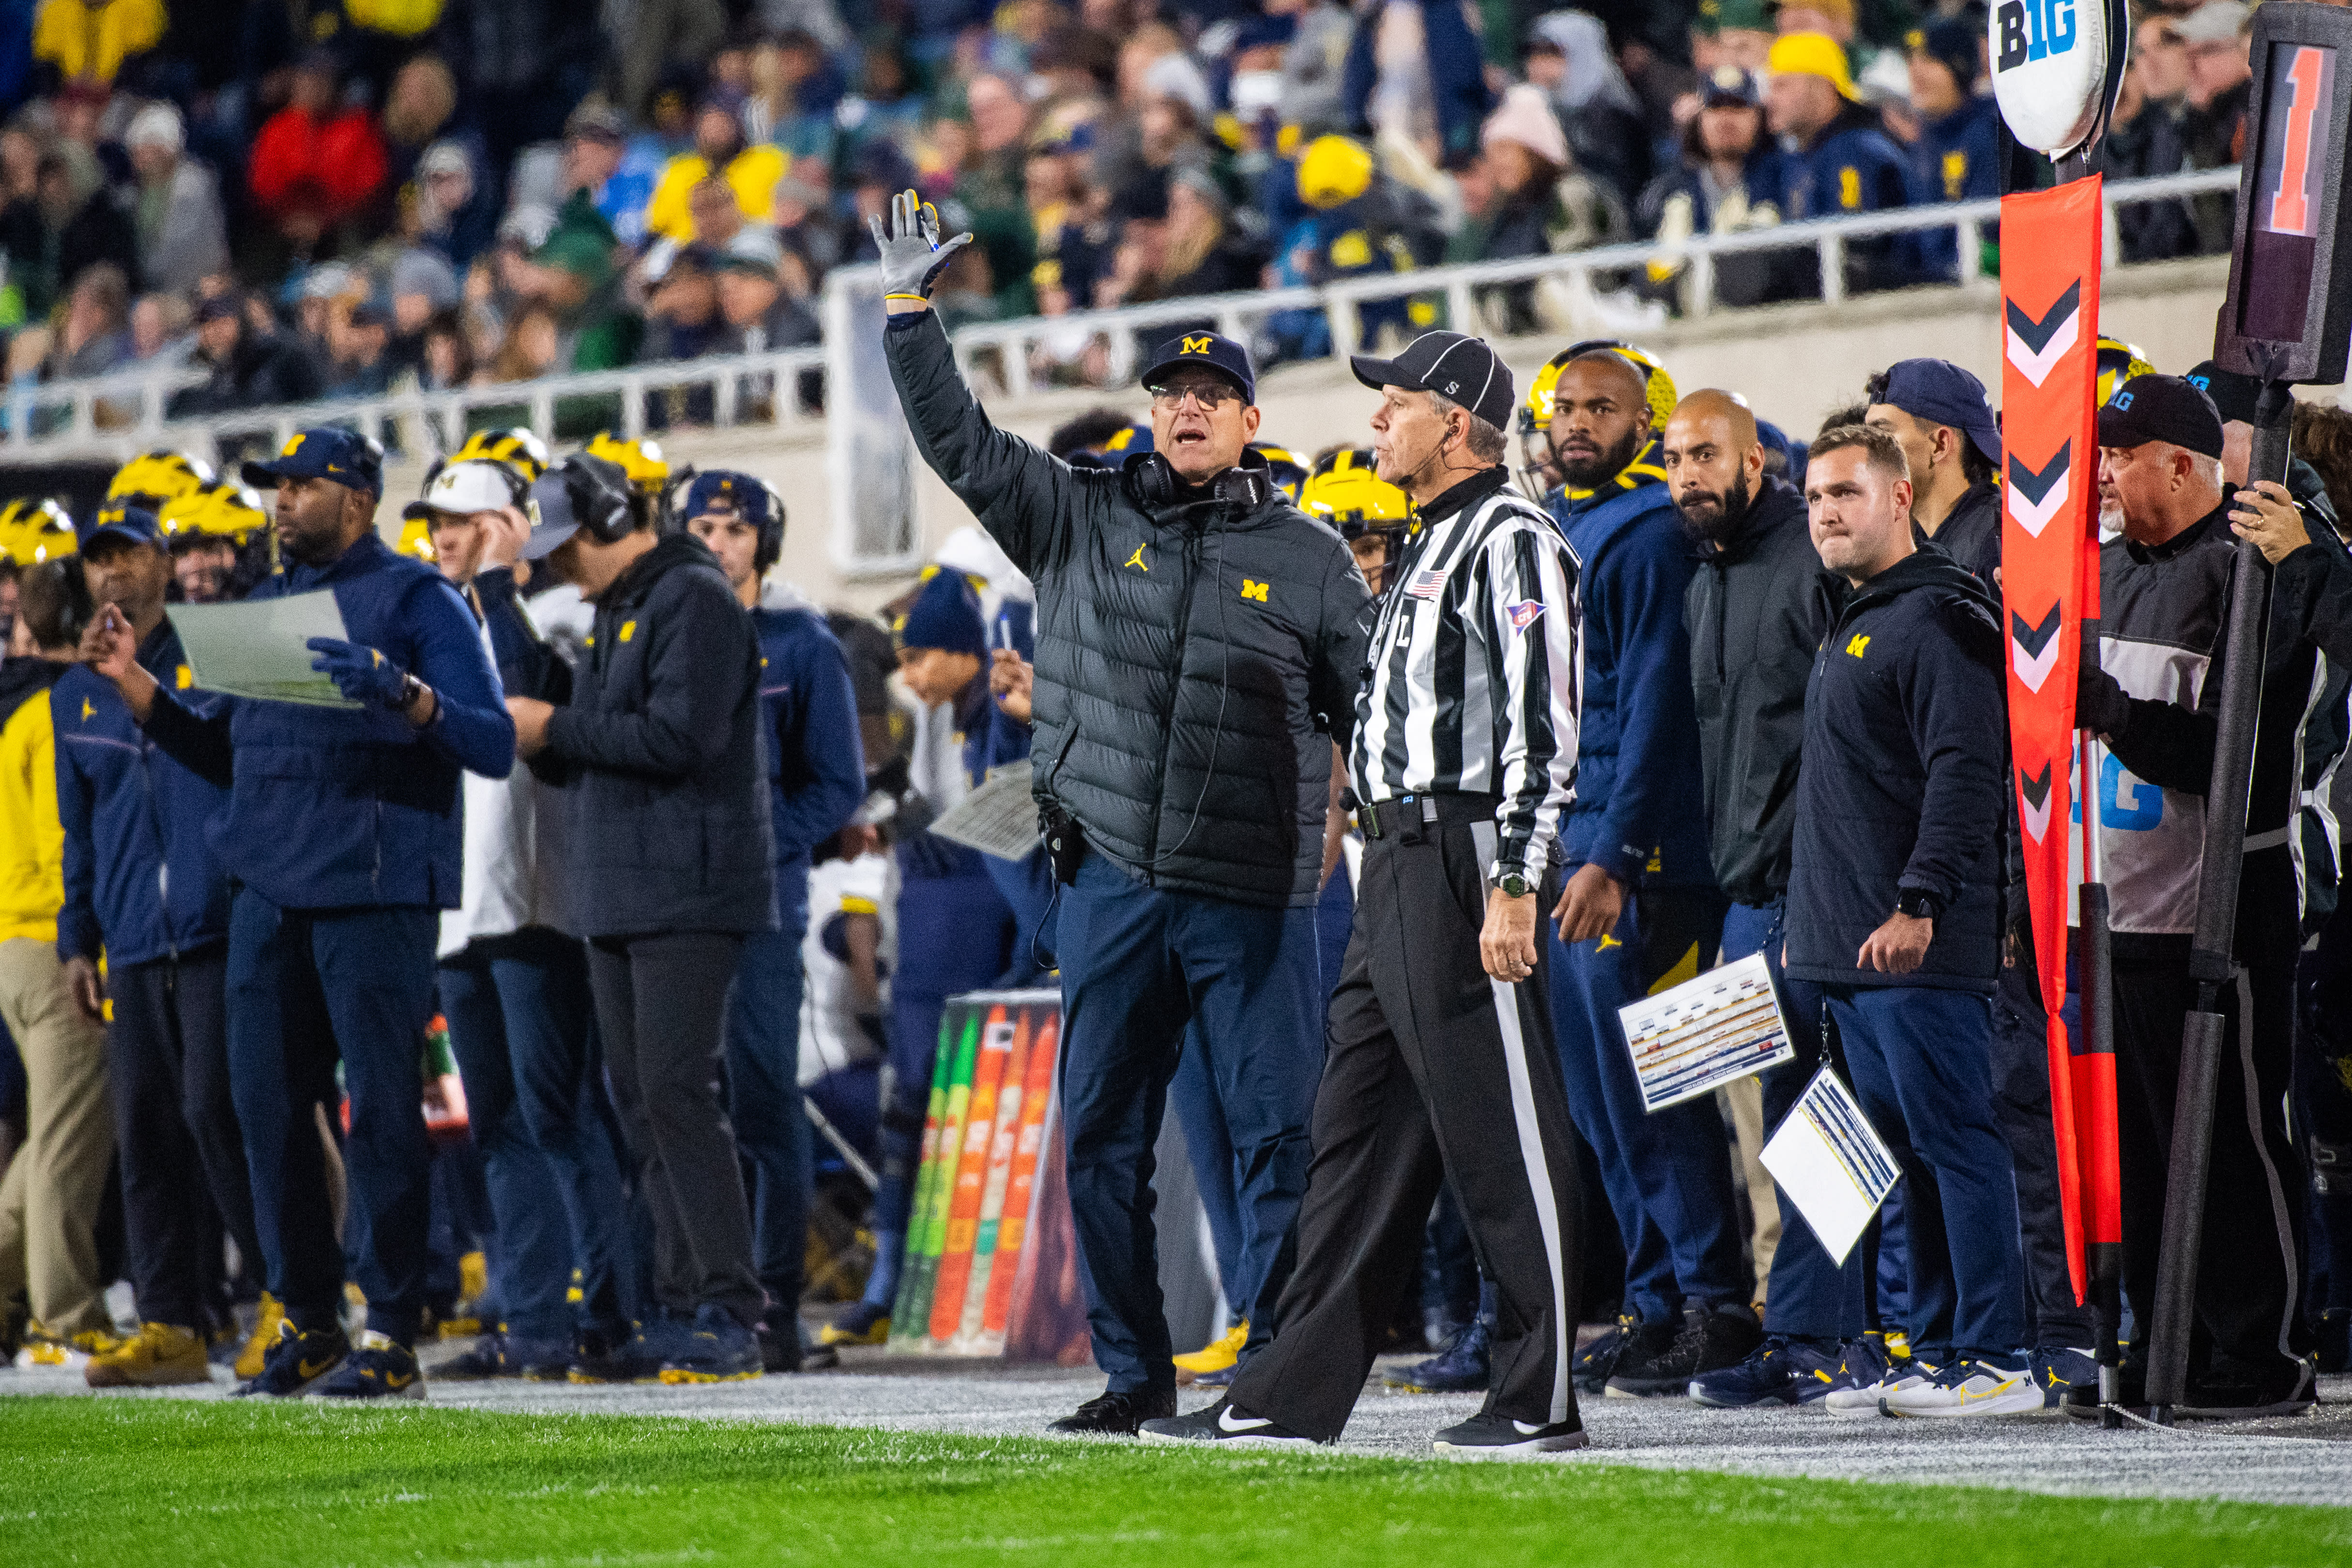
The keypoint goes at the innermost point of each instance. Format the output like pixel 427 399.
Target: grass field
pixel 126 1483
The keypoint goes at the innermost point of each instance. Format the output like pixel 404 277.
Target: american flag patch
pixel 1428 584
pixel 1523 614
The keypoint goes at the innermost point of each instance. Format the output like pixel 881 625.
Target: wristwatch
pixel 1511 885
pixel 1917 903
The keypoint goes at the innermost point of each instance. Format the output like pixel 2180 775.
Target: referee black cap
pixel 1455 366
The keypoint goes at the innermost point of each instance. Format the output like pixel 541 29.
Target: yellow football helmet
pixel 1288 468
pixel 1345 492
pixel 641 460
pixel 159 476
pixel 226 510
pixel 416 540
pixel 2118 362
pixel 34 531
pixel 518 448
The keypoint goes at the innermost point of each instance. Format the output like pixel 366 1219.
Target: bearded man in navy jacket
pixel 343 842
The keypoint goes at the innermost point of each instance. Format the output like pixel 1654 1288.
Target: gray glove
pixel 912 255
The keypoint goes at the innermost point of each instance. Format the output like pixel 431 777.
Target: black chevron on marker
pixel 2036 787
pixel 2036 335
pixel 2033 486
pixel 2033 639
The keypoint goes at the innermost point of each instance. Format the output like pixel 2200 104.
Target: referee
pixel 1440 1063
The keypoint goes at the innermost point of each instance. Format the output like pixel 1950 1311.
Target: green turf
pixel 121 1482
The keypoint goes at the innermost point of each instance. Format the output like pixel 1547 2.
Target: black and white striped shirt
pixel 1477 670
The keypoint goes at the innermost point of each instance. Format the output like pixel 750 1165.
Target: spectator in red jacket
pixel 316 162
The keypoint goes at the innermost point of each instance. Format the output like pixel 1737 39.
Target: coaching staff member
pixel 1197 635
pixel 1440 1064
pixel 343 841
pixel 141 883
pixel 672 868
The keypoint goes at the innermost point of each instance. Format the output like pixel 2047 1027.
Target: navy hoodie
pixel 1903 776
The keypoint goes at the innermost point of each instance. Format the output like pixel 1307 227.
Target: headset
pixel 1244 488
pixel 603 502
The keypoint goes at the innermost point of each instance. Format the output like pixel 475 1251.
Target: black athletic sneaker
pixel 1487 1434
pixel 1221 1423
pixel 296 1360
pixel 1646 1357
pixel 601 1355
pixel 1710 1340
pixel 1117 1415
pixel 2233 1391
pixel 1590 1369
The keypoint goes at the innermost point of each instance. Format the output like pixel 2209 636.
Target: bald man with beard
pixel 1755 610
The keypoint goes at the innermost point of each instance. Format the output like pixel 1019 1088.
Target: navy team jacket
pixel 141 877
pixel 354 808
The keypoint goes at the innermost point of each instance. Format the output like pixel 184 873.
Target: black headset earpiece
pixel 1244 488
pixel 601 506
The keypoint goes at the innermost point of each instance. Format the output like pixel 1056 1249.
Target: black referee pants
pixel 1434 1070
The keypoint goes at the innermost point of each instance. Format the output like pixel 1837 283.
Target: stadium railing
pixel 780 388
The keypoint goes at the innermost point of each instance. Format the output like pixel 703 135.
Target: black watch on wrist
pixel 1511 885
pixel 1917 903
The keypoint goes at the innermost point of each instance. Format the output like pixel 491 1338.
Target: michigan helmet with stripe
pixel 642 460
pixel 155 478
pixel 1345 492
pixel 33 531
pixel 224 509
pixel 1288 469
pixel 2118 362
pixel 516 447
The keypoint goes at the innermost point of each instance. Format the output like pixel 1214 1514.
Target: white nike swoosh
pixel 1524 1431
pixel 1225 1422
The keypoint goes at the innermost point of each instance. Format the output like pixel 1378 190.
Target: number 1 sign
pixel 2283 320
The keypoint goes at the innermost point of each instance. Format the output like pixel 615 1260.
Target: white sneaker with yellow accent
pixel 1967 1387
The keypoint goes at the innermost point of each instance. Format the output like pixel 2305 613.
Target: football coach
pixel 1198 644
pixel 342 842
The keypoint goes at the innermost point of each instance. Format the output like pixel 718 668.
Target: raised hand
pixel 912 255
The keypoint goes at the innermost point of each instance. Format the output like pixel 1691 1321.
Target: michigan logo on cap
pixel 292 441
pixel 1195 346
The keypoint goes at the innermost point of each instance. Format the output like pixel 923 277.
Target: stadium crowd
pixel 340 198
pixel 556 980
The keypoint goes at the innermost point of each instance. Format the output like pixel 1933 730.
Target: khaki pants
pixel 50 1196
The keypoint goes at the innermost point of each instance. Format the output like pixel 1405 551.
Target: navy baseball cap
pixel 2161 408
pixel 1728 87
pixel 1455 366
pixel 1942 393
pixel 740 494
pixel 136 524
pixel 322 451
pixel 1211 349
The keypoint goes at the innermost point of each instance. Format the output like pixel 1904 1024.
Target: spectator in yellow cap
pixel 1836 161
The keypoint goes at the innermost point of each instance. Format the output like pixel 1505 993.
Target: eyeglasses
pixel 1211 395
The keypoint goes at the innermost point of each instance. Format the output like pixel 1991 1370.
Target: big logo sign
pixel 2048 67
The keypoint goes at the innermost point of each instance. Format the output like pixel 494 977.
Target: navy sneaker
pixel 713 1348
pixel 1221 1378
pixel 378 1369
pixel 297 1360
pixel 1591 1368
pixel 2065 1377
pixel 1642 1349
pixel 1222 1422
pixel 1711 1338
pixel 484 1360
pixel 1488 1436
pixel 1464 1367
pixel 1780 1371
pixel 602 1355
pixel 655 1340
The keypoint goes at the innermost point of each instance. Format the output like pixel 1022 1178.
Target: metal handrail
pixel 1010 342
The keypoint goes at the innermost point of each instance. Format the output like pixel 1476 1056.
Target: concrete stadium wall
pixel 1794 363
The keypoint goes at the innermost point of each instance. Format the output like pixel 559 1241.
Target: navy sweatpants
pixel 307 988
pixel 1137 965
pixel 764 1101
pixel 1668 1175
pixel 521 1027
pixel 1921 1059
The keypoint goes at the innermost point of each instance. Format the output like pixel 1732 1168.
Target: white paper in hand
pixel 998 819
pixel 259 647
pixel 1703 1033
pixel 1831 1163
